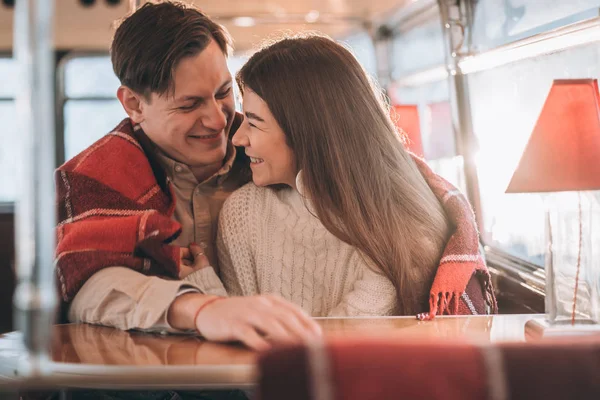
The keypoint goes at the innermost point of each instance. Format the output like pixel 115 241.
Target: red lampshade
pixel 406 118
pixel 563 152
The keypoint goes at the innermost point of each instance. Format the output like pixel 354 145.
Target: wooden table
pixel 88 356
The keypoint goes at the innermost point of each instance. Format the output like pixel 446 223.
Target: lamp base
pixel 538 328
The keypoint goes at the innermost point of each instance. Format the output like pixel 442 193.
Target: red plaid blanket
pixel 113 211
pixel 462 284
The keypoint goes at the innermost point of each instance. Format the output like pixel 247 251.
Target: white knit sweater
pixel 269 242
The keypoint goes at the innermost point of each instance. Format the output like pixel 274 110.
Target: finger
pixel 295 326
pixel 184 252
pixel 200 260
pixel 272 329
pixel 195 248
pixel 252 339
pixel 294 322
pixel 299 314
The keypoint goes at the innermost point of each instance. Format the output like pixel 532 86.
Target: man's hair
pixel 149 44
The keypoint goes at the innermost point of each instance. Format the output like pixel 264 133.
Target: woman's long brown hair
pixel 363 185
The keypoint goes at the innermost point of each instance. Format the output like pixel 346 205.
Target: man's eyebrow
pixel 200 98
pixel 193 98
pixel 251 115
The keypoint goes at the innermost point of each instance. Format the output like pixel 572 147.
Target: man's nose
pixel 215 118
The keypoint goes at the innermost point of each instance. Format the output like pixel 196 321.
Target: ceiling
pixel 271 17
pixel 90 28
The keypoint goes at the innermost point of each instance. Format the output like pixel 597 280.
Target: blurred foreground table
pixel 89 356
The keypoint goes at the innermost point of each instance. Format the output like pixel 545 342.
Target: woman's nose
pixel 240 138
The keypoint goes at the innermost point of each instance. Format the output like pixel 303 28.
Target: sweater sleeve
pixel 126 299
pixel 234 244
pixel 372 294
pixel 207 280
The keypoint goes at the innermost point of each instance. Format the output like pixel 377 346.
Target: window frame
pixel 62 98
pixel 541 29
pixel 6 55
pixel 7 206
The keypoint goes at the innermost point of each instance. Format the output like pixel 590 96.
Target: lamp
pixel 406 118
pixel 562 156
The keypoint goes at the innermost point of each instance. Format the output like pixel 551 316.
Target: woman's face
pixel 271 159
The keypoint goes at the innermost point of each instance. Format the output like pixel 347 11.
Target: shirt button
pixel 178 168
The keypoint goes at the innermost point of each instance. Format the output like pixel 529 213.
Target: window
pixel 416 52
pixel 9 143
pixel 437 134
pixel 8 74
pixel 91 108
pixel 235 63
pixel 505 104
pixel 497 22
pixel 364 51
pixel 419 48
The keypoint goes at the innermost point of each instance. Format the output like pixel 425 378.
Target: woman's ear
pixel 132 103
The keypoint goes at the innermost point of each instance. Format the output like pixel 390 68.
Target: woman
pixel 339 219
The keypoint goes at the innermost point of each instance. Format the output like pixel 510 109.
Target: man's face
pixel 191 125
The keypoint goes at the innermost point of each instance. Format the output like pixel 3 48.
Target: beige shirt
pixel 126 299
pixel 197 205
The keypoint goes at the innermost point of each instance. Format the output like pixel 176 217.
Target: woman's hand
pixel 256 321
pixel 192 259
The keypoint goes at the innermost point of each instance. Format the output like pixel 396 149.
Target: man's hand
pixel 192 259
pixel 256 321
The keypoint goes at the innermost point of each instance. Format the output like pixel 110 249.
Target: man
pixel 132 205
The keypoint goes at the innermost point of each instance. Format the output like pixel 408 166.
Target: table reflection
pixel 439 329
pixel 97 345
pixel 91 344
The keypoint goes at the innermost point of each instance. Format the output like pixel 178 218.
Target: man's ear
pixel 132 103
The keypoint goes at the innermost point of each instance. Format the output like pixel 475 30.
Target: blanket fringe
pixel 440 304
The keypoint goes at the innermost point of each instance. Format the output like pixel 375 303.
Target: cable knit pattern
pixel 269 242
